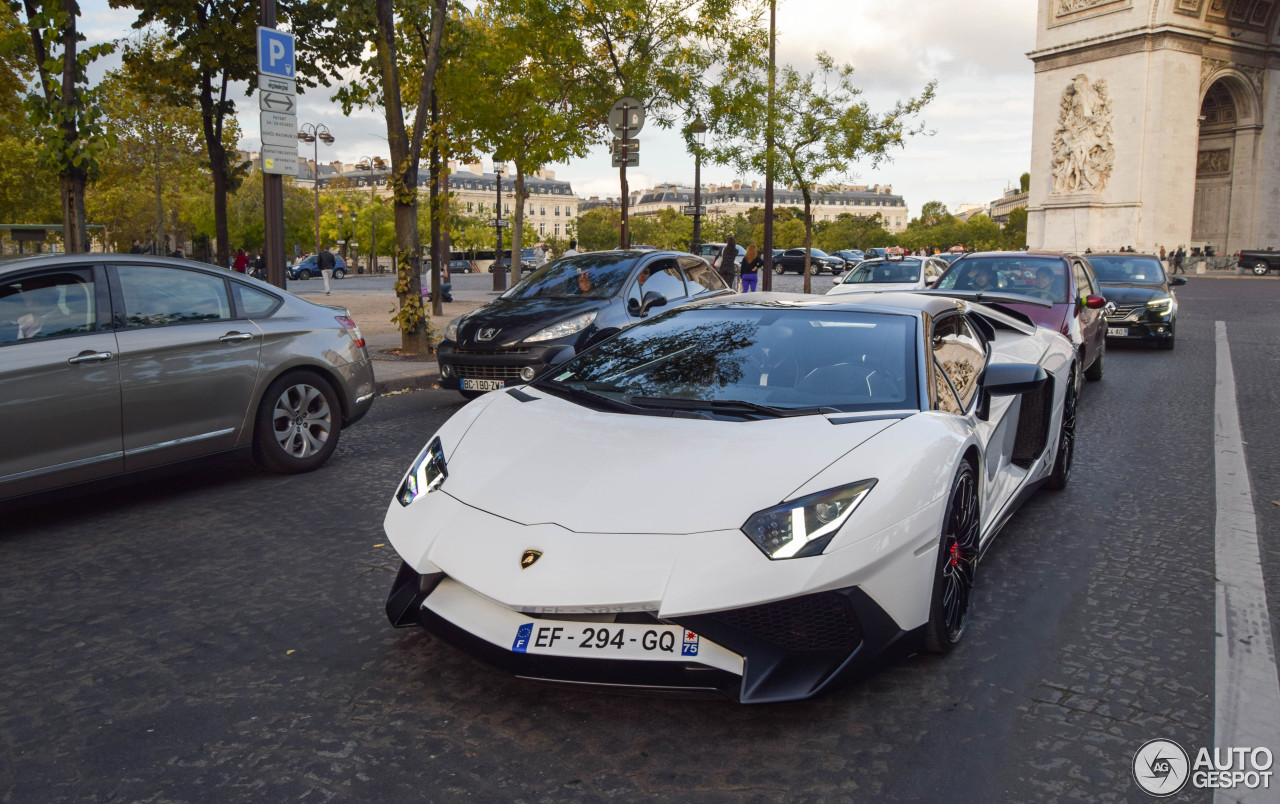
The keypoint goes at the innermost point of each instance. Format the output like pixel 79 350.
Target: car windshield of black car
pixel 1036 277
pixel 907 270
pixel 587 276
pixel 1140 270
pixel 785 359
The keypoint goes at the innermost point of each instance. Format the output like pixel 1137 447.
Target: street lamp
pixel 499 277
pixel 315 134
pixel 367 163
pixel 699 131
pixel 352 238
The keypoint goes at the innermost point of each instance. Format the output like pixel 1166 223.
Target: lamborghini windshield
pixel 777 360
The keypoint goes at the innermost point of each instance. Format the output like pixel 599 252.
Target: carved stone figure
pixel 1083 154
pixel 1214 162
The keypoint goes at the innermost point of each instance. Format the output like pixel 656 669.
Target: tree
pixel 1014 234
pixel 28 191
pixel 65 110
pixel 598 227
pixel 821 128
pixel 212 43
pixel 406 39
pixel 1024 182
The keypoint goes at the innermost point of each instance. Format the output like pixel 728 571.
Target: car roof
pixel 24 262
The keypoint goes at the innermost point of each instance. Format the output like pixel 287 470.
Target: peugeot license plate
pixel 482 385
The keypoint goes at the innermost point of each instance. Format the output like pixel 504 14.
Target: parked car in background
pixel 910 273
pixel 709 252
pixel 115 363
pixel 766 494
pixel 793 260
pixel 1145 307
pixel 1260 262
pixel 310 267
pixel 873 253
pixel 1065 292
pixel 564 307
pixel 528 260
pixel 851 257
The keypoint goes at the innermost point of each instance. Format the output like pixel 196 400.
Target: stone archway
pixel 1226 146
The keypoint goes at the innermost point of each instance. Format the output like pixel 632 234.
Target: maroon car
pixel 1077 309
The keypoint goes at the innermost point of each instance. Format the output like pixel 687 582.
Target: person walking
pixel 1162 256
pixel 1179 257
pixel 326 262
pixel 726 263
pixel 751 265
pixel 572 249
pixel 539 256
pixel 241 262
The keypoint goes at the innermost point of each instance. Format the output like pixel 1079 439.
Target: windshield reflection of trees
pixel 689 363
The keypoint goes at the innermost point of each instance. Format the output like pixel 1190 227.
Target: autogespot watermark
pixel 1161 768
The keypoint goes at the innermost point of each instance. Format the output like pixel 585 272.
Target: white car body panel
pixel 638 513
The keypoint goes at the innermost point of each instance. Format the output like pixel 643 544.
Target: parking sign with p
pixel 275 52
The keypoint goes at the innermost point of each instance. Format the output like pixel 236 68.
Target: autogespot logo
pixel 1161 767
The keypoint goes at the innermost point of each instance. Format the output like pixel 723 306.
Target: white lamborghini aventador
pixel 754 496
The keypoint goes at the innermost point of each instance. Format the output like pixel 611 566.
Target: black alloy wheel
pixel 957 564
pixel 1066 439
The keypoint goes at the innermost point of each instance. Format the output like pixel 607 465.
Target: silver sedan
pixel 115 363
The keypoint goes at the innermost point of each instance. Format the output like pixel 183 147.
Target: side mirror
pixel 835 280
pixel 563 355
pixel 1095 302
pixel 1177 280
pixel 652 299
pixel 1011 379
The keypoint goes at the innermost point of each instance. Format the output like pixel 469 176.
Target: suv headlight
pixel 570 326
pixel 451 330
pixel 426 474
pixel 1161 306
pixel 804 527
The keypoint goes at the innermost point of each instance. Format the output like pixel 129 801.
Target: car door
pixel 959 359
pixel 188 365
pixel 663 277
pixel 59 380
pixel 1092 321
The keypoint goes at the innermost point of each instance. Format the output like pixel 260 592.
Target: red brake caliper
pixel 955 553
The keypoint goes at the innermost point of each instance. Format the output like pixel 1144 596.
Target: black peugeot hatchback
pixel 562 309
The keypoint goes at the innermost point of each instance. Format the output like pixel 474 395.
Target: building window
pixel 470 206
pixel 568 211
pixel 557 209
pixel 542 210
pixel 557 230
pixel 542 228
pixel 531 209
pixel 506 209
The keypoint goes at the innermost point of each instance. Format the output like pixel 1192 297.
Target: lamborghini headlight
pixel 426 475
pixel 451 330
pixel 570 326
pixel 804 527
pixel 1161 306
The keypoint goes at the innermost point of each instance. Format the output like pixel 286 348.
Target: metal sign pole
pixel 622 172
pixel 272 193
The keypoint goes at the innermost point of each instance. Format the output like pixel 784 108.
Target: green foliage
pixel 1013 236
pixel 849 231
pixel 598 228
pixel 667 229
pixel 1024 182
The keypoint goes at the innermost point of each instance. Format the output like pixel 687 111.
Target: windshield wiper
pixel 729 405
pixel 593 399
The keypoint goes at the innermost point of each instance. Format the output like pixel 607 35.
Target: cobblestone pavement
pixel 218 634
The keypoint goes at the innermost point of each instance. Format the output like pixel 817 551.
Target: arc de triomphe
pixel 1156 123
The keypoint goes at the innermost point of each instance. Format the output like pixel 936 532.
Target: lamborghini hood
pixel 552 461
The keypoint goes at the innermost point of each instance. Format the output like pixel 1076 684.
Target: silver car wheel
pixel 301 420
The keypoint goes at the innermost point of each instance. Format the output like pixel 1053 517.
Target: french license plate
pixel 482 385
pixel 607 640
pixel 1120 331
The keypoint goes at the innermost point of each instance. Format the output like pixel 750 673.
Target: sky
pixel 980 119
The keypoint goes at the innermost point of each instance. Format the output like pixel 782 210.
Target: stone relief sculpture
pixel 1083 154
pixel 1214 162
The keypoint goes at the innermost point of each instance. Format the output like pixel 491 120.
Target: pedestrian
pixel 241 263
pixel 1162 255
pixel 177 253
pixel 751 265
pixel 727 262
pixel 573 249
pixel 136 248
pixel 539 256
pixel 259 268
pixel 326 263
pixel 1179 257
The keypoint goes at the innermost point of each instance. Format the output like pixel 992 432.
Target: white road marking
pixel 1246 687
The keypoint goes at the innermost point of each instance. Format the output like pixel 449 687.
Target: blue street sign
pixel 275 52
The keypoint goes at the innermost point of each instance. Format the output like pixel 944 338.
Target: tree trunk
pixel 517 225
pixel 211 122
pixel 164 241
pixel 74 234
pixel 75 237
pixel 808 237
pixel 437 261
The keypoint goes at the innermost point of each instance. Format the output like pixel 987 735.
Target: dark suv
pixel 563 308
pixel 1145 305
